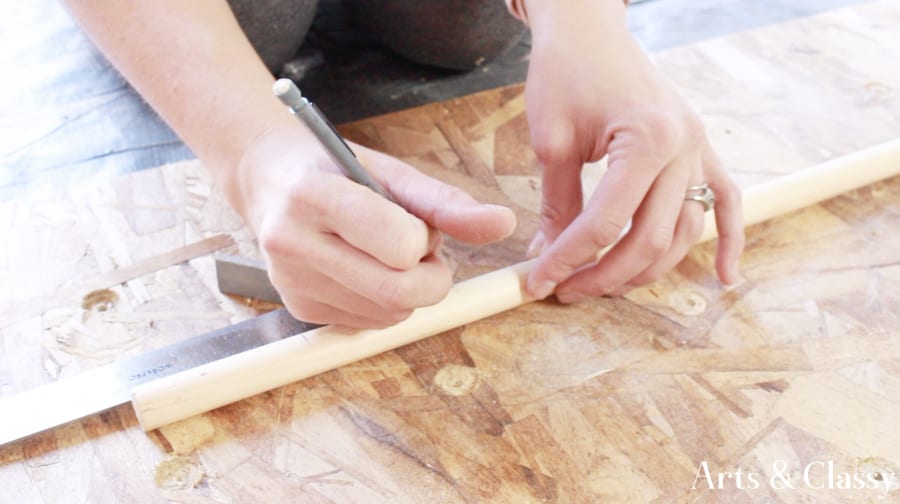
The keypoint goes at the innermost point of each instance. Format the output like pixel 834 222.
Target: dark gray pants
pixel 454 34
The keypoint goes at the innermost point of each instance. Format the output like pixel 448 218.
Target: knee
pixel 453 34
pixel 276 28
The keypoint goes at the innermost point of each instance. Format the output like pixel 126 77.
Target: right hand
pixel 337 252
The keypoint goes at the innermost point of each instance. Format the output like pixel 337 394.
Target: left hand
pixel 592 92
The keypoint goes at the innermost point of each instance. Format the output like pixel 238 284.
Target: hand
pixel 339 253
pixel 592 92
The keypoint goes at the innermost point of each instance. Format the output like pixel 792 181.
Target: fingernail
pixel 543 290
pixel 537 245
pixel 570 297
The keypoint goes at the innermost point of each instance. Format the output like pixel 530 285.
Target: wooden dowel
pixel 222 382
pixel 285 361
pixel 815 184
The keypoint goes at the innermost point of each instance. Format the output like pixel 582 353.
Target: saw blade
pixel 108 386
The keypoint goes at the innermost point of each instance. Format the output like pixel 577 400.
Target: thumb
pixel 442 206
pixel 561 199
pixel 453 211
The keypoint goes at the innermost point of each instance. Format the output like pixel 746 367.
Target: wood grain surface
pixel 611 400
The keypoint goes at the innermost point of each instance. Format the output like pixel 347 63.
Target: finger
pixel 393 290
pixel 561 197
pixel 443 206
pixel 320 313
pixel 306 292
pixel 729 218
pixel 434 236
pixel 423 285
pixel 379 227
pixel 687 231
pixel 615 200
pixel 650 237
pixel 435 241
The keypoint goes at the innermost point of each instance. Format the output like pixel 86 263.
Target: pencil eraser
pixel 288 93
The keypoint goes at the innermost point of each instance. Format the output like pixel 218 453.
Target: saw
pixel 272 350
pixel 111 385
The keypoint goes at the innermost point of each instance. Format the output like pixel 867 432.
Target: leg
pixel 455 34
pixel 276 28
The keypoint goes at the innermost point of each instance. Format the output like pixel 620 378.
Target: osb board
pixel 612 400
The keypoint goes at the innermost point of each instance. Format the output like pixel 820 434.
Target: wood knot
pixel 456 380
pixel 100 300
pixel 689 302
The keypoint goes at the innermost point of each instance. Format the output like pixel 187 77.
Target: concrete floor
pixel 67 116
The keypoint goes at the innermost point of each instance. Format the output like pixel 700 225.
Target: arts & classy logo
pixel 816 475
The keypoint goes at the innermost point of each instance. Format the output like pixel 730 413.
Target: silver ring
pixel 701 194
